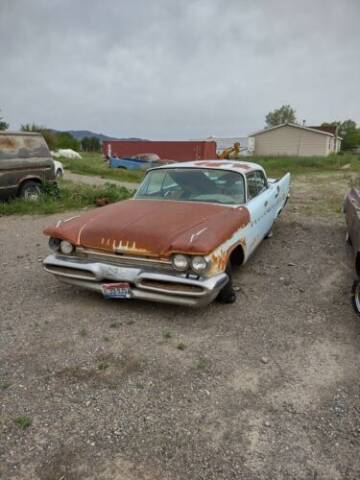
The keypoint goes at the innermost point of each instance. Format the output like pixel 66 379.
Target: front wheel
pixel 355 296
pixel 30 190
pixel 227 294
pixel 59 173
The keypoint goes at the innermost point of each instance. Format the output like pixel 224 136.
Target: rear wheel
pixel 355 296
pixel 30 190
pixel 227 294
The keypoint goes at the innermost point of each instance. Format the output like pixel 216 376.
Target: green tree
pixel 49 135
pixel 91 144
pixel 66 140
pixel 3 124
pixel 349 132
pixel 284 114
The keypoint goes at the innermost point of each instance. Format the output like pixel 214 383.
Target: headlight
pixel 199 264
pixel 180 262
pixel 66 247
pixel 54 244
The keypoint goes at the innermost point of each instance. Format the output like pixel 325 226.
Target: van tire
pixel 30 190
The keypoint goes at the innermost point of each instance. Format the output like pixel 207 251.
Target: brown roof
pixel 329 129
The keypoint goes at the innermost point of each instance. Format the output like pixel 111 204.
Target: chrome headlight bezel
pixel 66 247
pixel 199 270
pixel 177 266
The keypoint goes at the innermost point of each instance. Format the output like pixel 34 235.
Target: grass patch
pixel 277 166
pixel 103 366
pixel 23 422
pixel 167 334
pixel 69 196
pixel 181 346
pixel 94 164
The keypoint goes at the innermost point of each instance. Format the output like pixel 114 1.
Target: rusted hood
pixel 154 228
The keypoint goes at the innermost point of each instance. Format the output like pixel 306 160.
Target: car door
pixel 258 204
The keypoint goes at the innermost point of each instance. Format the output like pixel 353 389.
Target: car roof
pixel 231 165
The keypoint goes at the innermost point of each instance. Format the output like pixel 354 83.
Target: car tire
pixel 355 296
pixel 227 294
pixel 30 190
pixel 59 173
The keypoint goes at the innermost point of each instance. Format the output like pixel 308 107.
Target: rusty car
pixel 177 239
pixel 25 165
pixel 352 216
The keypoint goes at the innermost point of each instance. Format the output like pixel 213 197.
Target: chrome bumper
pixel 146 284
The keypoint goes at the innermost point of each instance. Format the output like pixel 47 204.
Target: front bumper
pixel 146 284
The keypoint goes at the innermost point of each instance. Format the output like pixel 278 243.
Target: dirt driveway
pixel 267 388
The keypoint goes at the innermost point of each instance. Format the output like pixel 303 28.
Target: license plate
pixel 116 290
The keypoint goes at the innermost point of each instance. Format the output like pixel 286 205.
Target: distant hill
pixel 80 134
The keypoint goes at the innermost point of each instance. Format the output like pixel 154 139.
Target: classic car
pixel 142 161
pixel 352 216
pixel 176 240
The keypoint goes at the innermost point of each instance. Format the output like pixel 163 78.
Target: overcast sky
pixel 163 69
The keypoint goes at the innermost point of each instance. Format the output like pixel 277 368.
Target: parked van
pixel 25 164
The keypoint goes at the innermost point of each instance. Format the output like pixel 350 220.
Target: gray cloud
pixel 177 69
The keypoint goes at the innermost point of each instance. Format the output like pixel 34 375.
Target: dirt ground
pixel 266 388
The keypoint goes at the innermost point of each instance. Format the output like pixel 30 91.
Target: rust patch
pixel 153 228
pixel 212 164
pixel 241 166
pixel 7 142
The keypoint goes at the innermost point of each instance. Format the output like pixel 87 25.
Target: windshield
pixel 193 185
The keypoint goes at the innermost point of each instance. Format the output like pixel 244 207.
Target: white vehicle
pixel 59 169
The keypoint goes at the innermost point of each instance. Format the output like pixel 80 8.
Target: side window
pixel 256 183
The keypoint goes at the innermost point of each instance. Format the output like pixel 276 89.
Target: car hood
pixel 153 227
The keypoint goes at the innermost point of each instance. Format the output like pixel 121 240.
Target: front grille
pixel 171 286
pixel 71 272
pixel 124 260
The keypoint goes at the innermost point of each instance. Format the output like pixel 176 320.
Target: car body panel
pixel 352 217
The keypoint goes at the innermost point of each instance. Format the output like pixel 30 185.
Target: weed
pixel 181 346
pixel 167 334
pixel 106 339
pixel 201 364
pixel 103 366
pixel 115 325
pixel 23 422
pixel 83 332
pixel 4 385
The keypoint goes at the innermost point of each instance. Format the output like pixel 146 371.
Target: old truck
pixel 25 164
pixel 177 240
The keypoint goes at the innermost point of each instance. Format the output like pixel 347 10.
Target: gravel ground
pixel 94 180
pixel 266 388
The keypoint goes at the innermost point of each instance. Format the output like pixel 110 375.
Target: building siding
pixel 289 140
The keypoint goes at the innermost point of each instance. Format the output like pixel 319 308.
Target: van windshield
pixel 193 185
